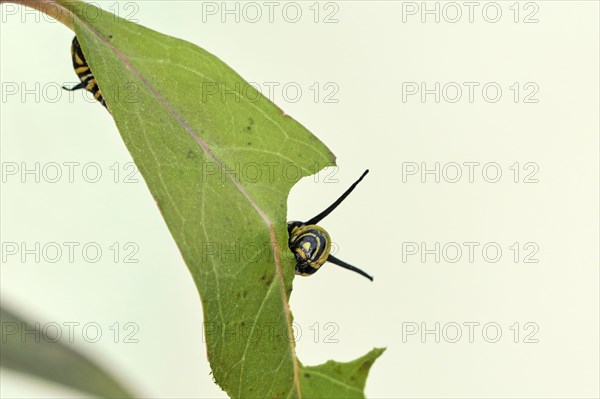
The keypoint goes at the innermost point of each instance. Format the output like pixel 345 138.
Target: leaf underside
pixel 220 160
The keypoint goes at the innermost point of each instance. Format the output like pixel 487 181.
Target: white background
pixel 370 52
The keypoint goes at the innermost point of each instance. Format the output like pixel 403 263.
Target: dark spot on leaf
pixel 110 36
pixel 249 143
pixel 248 128
pixel 267 279
pixel 306 375
pixel 242 323
pixel 364 368
pixel 191 154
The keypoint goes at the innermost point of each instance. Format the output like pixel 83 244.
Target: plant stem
pixel 51 8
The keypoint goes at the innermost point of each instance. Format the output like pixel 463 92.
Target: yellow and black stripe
pixel 84 73
pixel 311 244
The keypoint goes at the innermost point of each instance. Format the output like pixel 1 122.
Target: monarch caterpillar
pixel 84 73
pixel 311 244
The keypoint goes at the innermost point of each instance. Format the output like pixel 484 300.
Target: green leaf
pixel 338 380
pixel 220 160
pixel 28 349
